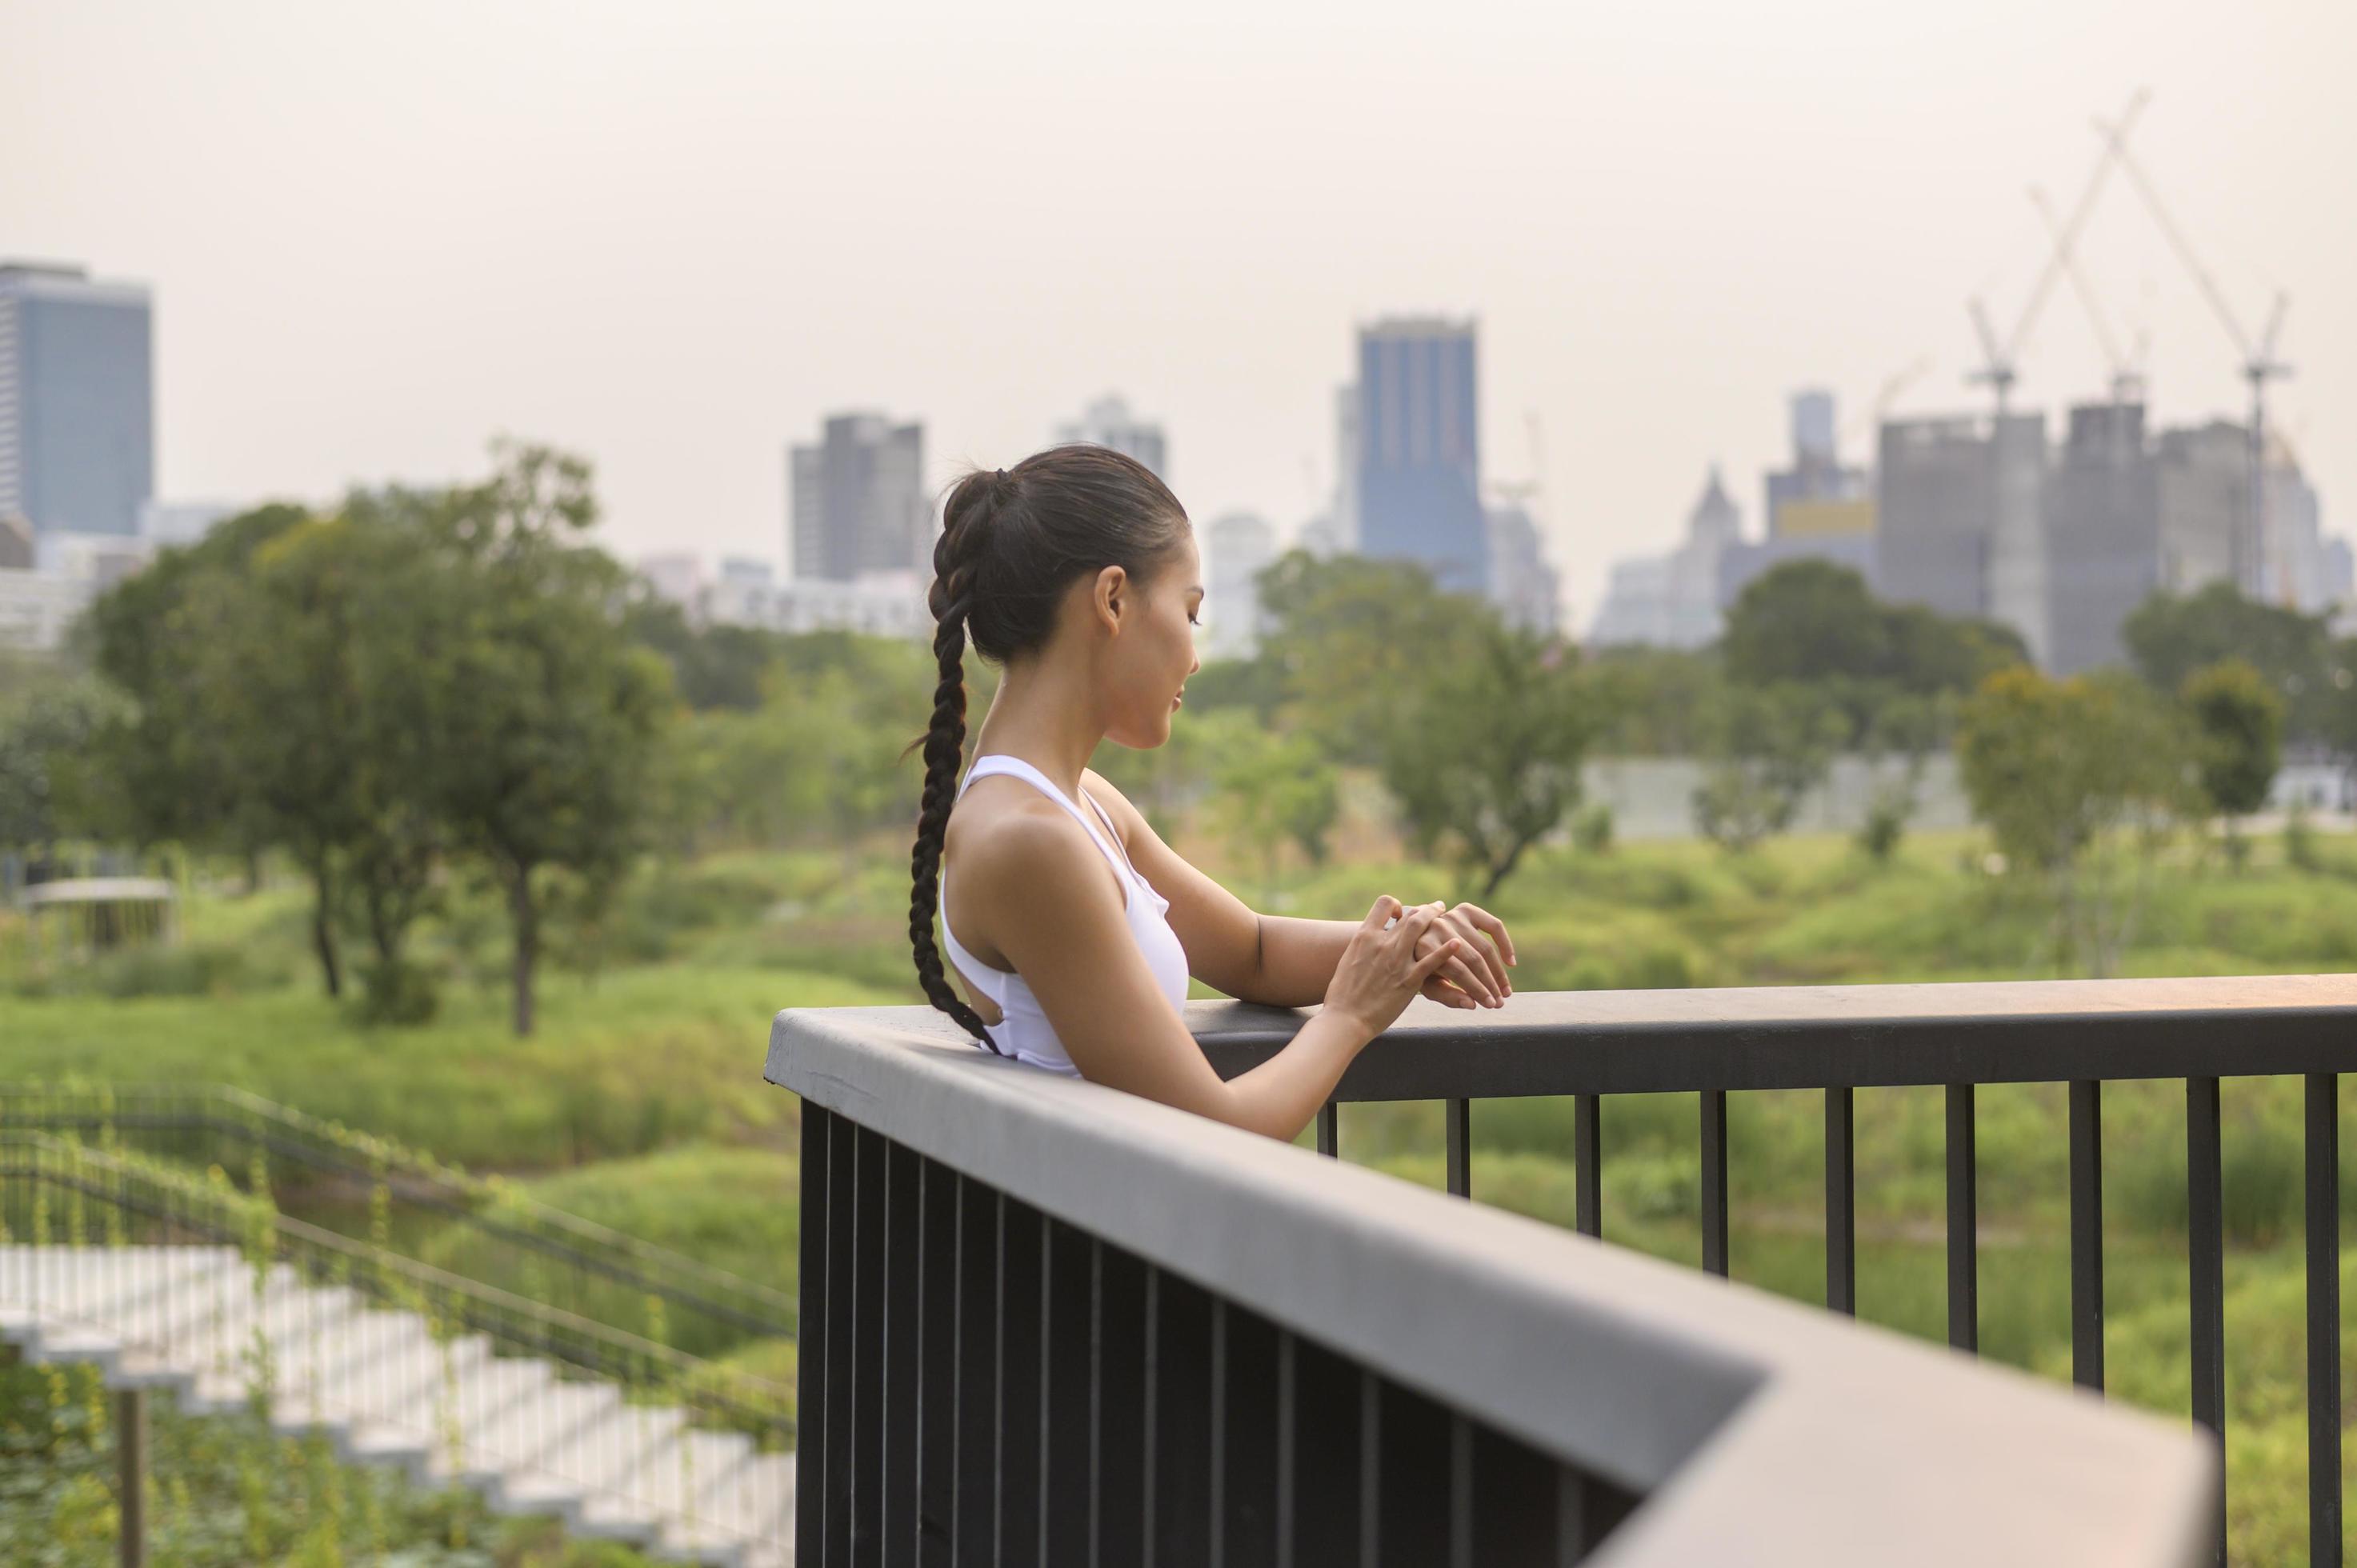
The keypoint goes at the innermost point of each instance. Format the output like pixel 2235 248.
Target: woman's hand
pixel 1382 968
pixel 1476 977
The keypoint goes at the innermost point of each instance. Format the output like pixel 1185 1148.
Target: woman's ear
pixel 1112 597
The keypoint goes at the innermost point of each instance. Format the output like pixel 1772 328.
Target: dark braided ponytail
pixel 1012 540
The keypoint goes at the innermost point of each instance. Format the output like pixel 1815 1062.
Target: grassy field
pixel 640 1102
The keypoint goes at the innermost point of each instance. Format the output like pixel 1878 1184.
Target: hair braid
pixel 944 749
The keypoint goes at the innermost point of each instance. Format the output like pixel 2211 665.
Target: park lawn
pixel 634 1061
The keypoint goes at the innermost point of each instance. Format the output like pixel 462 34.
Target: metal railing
pixel 59 1199
pixel 558 1258
pixel 1046 1321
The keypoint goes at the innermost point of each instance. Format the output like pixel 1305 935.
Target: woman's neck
pixel 1045 717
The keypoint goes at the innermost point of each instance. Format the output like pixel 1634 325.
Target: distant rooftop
pixel 19 268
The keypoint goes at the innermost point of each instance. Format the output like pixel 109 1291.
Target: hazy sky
pixel 671 236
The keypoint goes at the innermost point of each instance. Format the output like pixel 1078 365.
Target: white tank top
pixel 1023 1031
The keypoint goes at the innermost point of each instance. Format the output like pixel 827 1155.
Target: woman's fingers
pixel 1440 990
pixel 1483 955
pixel 1491 926
pixel 1469 978
pixel 1429 964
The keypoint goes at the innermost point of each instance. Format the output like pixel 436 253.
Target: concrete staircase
pixel 532 1434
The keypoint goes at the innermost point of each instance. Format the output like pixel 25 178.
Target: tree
pixel 1347 634
pixel 1767 749
pixel 2061 772
pixel 174 770
pixel 1482 751
pixel 48 788
pixel 2238 741
pixel 548 756
pixel 1273 791
pixel 2170 636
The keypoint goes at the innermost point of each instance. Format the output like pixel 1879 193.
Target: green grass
pixel 639 1101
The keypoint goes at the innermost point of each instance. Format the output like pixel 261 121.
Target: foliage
pixel 1655 701
pixel 2170 637
pixel 1768 747
pixel 2237 721
pixel 50 788
pixel 1483 753
pixel 1349 635
pixel 1273 791
pixel 1814 623
pixel 2059 772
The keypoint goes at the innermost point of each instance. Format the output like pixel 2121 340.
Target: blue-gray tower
pixel 1419 460
pixel 77 400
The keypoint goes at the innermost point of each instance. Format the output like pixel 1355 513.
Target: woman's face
pixel 1152 649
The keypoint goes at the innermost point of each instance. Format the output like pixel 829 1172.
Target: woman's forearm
pixel 1297 959
pixel 1280 1096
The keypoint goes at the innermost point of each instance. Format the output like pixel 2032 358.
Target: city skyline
pixel 366 301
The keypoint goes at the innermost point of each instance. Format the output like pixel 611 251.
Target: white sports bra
pixel 1023 1031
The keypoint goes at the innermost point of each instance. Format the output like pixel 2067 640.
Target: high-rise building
pixel 2102 517
pixel 1957 519
pixel 1107 422
pixel 858 500
pixel 1522 581
pixel 1419 449
pixel 1817 474
pixel 1673 600
pixel 2204 497
pixel 77 400
pixel 1238 546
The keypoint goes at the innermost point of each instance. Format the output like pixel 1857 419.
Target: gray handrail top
pixel 1762 1429
pixel 1816 1037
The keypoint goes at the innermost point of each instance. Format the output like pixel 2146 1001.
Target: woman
pixel 1070 926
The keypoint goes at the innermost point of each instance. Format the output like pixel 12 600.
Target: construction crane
pixel 2260 365
pixel 2001 358
pixel 1885 396
pixel 2127 376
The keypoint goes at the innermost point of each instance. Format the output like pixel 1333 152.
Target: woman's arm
pixel 1041 894
pixel 1281 961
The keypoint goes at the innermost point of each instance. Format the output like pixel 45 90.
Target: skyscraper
pixel 77 400
pixel 1239 545
pixel 1817 474
pixel 1958 521
pixel 2101 508
pixel 858 500
pixel 1107 422
pixel 1419 449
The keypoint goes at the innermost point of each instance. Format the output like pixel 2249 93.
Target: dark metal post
pixel 1329 1130
pixel 2206 1283
pixel 1841 1201
pixel 812 1427
pixel 1963 1223
pixel 2087 1233
pixel 1587 1159
pixel 1714 1181
pixel 131 1467
pixel 2324 1319
pixel 1459 1113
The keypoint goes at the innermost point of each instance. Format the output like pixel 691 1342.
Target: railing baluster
pixel 1841 1201
pixel 2205 1264
pixel 1329 1130
pixel 1458 1114
pixel 1124 1416
pixel 2087 1233
pixel 976 1503
pixel 1183 1468
pixel 1588 1160
pixel 1963 1223
pixel 1043 1330
pixel 842 1187
pixel 1065 1442
pixel 1714 1181
pixel 1327 1462
pixel 937 1385
pixel 902 1305
pixel 2323 1320
pixel 1252 1417
pixel 869 1308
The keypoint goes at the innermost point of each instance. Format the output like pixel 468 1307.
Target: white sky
pixel 671 236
